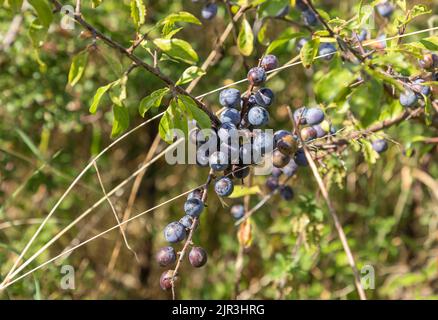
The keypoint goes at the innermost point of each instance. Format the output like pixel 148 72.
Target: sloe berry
pixel 230 115
pixel 227 131
pixel 224 187
pixel 264 97
pixel 308 133
pixel 424 89
pixel 314 116
pixel 269 62
pixel 256 76
pixel 286 193
pixel 279 159
pixel 276 172
pixel 240 171
pixel 197 257
pixel 197 193
pixel 230 98
pixel 272 183
pixel 380 145
pixel 286 144
pixel 300 115
pixel 290 169
pixel 166 280
pixel 166 256
pixel 309 17
pixel 408 99
pixel 258 116
pixel 385 9
pixel 300 158
pixel 429 61
pixel 174 232
pixel 209 11
pixel 187 222
pixel 193 207
pixel 327 50
pixel 238 211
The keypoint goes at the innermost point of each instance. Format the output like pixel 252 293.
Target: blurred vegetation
pixel 47 135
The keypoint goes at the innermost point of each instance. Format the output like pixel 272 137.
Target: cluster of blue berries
pixel 307 15
pixel 416 89
pixel 176 232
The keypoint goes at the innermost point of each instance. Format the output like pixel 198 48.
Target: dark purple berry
pixel 423 89
pixel 309 17
pixel 264 97
pixel 320 132
pixel 327 50
pixel 230 98
pixel 187 222
pixel 272 183
pixel 429 61
pixel 308 133
pixel 269 62
pixel 301 42
pixel 279 159
pixel 224 187
pixel 314 116
pixel 174 232
pixel 258 116
pixel 209 11
pixel 300 158
pixel 166 280
pixel 287 144
pixel 290 169
pixel 197 257
pixel 263 142
pixel 237 211
pixel 408 99
pixel 380 145
pixel 166 256
pixel 256 76
pixel 230 115
pixel 193 207
pixel 276 172
pixel 300 115
pixel 197 193
pixel 227 132
pixel 286 193
pixel 385 9
pixel 240 171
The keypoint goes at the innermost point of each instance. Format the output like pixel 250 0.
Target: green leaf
pixel 200 116
pixel 365 101
pixel 282 40
pixel 418 10
pixel 241 191
pixel 166 125
pixel 120 121
pixel 189 74
pixel 245 39
pixel 99 94
pixel 182 16
pixel 77 67
pixel 138 12
pixel 152 101
pixel 37 33
pixel 430 43
pixel 177 49
pixel 308 52
pixel 43 10
pixel 334 85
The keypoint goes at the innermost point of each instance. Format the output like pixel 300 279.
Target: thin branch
pixel 334 215
pixel 122 231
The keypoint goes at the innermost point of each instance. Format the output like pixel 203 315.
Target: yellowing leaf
pixel 241 191
pixel 245 234
pixel 245 39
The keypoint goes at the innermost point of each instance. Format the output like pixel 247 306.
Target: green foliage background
pixel 388 206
